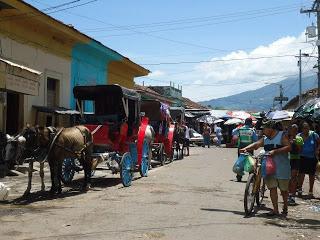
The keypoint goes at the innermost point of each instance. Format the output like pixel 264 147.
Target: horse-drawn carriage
pixel 160 120
pixel 112 114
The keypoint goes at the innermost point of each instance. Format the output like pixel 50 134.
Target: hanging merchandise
pixel 270 166
pixel 238 166
pixel 249 164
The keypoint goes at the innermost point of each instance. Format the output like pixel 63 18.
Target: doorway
pixel 13 113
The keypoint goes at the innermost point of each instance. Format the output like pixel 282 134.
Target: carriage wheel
pixel 144 167
pixel 126 172
pixel 161 155
pixel 68 170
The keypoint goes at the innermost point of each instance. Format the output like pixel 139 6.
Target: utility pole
pixel 316 9
pixel 281 98
pixel 300 79
pixel 300 73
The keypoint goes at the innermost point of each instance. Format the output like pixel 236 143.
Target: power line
pixel 218 60
pixel 146 33
pixel 32 14
pixel 200 25
pixel 201 19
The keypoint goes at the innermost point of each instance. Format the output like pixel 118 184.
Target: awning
pixel 189 115
pixel 18 78
pixel 56 110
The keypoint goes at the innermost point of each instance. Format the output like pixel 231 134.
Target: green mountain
pixel 262 98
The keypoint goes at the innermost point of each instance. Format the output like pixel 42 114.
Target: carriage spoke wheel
pixel 144 167
pixel 249 194
pixel 68 170
pixel 126 172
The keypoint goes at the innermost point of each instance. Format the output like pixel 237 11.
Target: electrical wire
pixel 33 14
pixel 199 19
pixel 218 60
pixel 199 25
pixel 146 33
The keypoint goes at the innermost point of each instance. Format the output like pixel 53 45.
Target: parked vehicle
pixel 117 130
pixel 160 120
pixel 195 137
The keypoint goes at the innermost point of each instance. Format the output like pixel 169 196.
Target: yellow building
pixel 58 56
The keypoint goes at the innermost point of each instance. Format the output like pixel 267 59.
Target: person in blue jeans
pixel 309 158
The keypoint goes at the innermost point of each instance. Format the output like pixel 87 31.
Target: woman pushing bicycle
pixel 277 145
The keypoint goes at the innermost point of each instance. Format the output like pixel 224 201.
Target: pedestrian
pixel 206 135
pixel 296 142
pixel 277 145
pixel 187 137
pixel 309 158
pixel 218 132
pixel 246 135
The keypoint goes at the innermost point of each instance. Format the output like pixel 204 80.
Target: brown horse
pixel 73 142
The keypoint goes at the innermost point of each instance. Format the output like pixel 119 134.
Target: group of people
pixel 206 133
pixel 294 154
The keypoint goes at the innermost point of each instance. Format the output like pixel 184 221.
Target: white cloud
pixel 231 77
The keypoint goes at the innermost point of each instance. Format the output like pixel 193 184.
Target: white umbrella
pixel 239 114
pixel 278 115
pixel 218 121
pixel 206 119
pixel 233 121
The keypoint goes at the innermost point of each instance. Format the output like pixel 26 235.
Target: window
pixel 52 92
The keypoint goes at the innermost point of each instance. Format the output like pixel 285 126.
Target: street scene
pixel 159 120
pixel 194 198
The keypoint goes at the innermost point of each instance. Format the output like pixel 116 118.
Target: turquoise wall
pixel 89 66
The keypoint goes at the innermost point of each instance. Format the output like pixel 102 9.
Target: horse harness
pixel 53 136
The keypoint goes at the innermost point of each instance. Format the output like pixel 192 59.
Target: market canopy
pixel 207 119
pixel 240 115
pixel 279 115
pixel 18 78
pixel 233 121
pixel 309 110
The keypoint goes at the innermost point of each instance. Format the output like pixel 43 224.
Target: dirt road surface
pixel 193 198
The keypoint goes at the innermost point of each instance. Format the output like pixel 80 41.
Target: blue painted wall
pixel 89 67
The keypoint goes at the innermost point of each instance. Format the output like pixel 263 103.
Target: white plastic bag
pixel 4 192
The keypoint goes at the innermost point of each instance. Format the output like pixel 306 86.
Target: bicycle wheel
pixel 260 195
pixel 249 195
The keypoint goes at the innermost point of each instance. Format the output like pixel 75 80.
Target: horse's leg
pixel 30 170
pixel 42 175
pixel 52 173
pixel 87 165
pixel 57 169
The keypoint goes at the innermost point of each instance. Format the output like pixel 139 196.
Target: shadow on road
pixel 223 210
pixel 69 190
pixel 96 182
pixel 280 221
pixel 43 196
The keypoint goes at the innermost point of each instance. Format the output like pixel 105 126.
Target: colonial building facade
pixel 61 57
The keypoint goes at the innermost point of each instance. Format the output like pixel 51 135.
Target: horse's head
pixel 45 135
pixel 31 136
pixel 14 149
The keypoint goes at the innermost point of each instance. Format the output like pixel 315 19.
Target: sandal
pixel 284 211
pixel 272 214
pixel 310 195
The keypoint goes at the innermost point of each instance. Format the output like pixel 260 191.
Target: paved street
pixel 195 198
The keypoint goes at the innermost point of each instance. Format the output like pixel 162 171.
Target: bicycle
pixel 255 187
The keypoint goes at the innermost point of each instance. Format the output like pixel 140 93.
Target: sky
pixel 211 48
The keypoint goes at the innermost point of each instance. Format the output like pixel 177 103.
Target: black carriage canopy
pixel 177 113
pixel 155 110
pixel 100 91
pixel 110 102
